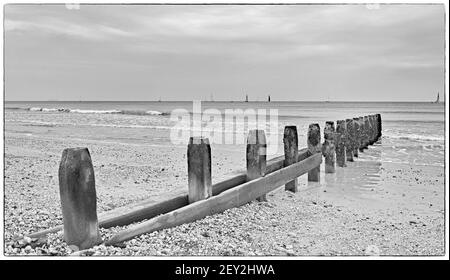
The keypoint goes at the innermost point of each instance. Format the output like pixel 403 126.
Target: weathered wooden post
pixel 256 156
pixel 379 126
pixel 375 128
pixel 375 123
pixel 78 198
pixel 349 139
pixel 369 131
pixel 366 132
pixel 290 140
pixel 362 132
pixel 340 143
pixel 199 169
pixel 314 146
pixel 372 129
pixel 356 136
pixel 328 147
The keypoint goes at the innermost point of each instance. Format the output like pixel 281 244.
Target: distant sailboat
pixel 246 98
pixel 268 98
pixel 437 98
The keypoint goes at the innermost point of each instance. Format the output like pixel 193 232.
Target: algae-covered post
pixel 78 198
pixel 356 136
pixel 314 146
pixel 256 156
pixel 290 140
pixel 328 148
pixel 199 169
pixel 349 139
pixel 340 143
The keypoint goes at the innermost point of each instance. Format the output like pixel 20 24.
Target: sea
pixel 412 132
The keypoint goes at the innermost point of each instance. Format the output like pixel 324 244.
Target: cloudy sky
pixel 303 52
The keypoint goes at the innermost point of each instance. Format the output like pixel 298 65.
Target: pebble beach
pixel 367 208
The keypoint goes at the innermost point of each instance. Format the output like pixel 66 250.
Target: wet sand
pixel 370 207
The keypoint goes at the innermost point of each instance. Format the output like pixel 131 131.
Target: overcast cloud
pixel 304 52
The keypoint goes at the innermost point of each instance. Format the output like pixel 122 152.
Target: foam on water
pixel 86 111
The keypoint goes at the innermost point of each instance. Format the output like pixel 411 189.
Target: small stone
pixel 120 245
pixel 290 253
pixel 74 248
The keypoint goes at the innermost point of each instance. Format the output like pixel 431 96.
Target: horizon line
pixel 223 101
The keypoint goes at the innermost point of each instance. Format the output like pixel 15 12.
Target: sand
pixel 368 208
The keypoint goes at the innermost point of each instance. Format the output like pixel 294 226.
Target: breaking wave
pixel 86 111
pixel 417 137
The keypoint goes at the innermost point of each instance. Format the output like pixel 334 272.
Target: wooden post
pixel 256 156
pixel 356 131
pixel 362 129
pixel 314 146
pixel 199 169
pixel 340 143
pixel 369 131
pixel 379 126
pixel 328 148
pixel 366 132
pixel 373 128
pixel 290 140
pixel 375 125
pixel 78 198
pixel 349 139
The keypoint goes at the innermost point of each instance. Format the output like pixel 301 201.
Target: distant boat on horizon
pixel 268 98
pixel 246 98
pixel 437 98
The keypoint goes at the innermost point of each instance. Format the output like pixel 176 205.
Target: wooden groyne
pixel 78 196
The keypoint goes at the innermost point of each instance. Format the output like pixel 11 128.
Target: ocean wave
pixel 406 122
pixel 415 112
pixel 142 112
pixel 417 137
pixel 400 161
pixel 83 111
pixel 87 111
pixel 16 108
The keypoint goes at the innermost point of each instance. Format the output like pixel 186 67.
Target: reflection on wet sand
pixel 354 181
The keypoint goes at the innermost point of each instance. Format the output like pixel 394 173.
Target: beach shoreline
pixel 367 208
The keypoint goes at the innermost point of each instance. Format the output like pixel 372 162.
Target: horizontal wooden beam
pixel 231 198
pixel 125 215
pixel 148 208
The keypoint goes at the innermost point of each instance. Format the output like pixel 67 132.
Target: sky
pixel 199 52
